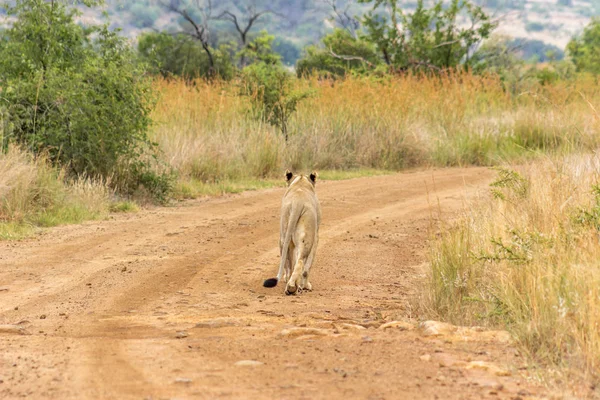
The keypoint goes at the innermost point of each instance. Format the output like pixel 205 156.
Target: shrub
pixel 585 49
pixel 271 90
pixel 181 55
pixel 75 94
pixel 340 54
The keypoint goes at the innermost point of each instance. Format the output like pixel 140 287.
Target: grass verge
pixel 529 261
pixel 33 194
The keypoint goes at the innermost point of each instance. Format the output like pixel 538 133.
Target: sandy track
pixel 162 304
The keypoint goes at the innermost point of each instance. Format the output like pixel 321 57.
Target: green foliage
pixel 590 216
pixel 585 49
pixel 181 55
pixel 260 50
pixel 496 55
pixel 339 55
pixel 75 94
pixel 271 90
pixel 509 185
pixel 124 207
pixel 430 38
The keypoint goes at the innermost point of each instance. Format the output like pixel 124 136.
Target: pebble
pixel 425 357
pixel 12 329
pixel 435 328
pixel 181 335
pixel 295 332
pixel 248 363
pixel 486 366
pixel 401 325
pixel 218 323
pixel 183 380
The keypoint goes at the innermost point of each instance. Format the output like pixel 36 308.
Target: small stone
pixel 43 316
pixel 295 332
pixel 181 334
pixel 486 366
pixel 367 339
pixel 354 327
pixel 400 325
pixel 218 323
pixel 183 380
pixel 435 328
pixel 425 357
pixel 3 288
pixel 248 363
pixel 12 329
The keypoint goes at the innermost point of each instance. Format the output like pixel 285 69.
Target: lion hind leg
pixel 293 283
pixel 309 262
pixel 305 284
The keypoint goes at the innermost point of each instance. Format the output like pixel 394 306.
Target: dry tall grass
pixel 529 260
pixel 207 133
pixel 34 194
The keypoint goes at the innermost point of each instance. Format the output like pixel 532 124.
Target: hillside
pixel 298 23
pixel 305 21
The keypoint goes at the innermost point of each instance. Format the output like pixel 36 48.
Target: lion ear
pixel 313 177
pixel 288 174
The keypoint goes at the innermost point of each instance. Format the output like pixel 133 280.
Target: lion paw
pixel 291 289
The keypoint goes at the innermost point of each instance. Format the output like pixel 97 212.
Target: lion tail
pixel 271 282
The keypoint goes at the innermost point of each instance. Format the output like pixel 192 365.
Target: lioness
pixel 299 236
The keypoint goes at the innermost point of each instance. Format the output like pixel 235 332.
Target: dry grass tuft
pixel 529 260
pixel 34 194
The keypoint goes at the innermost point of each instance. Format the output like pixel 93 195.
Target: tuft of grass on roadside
pixel 528 260
pixel 34 194
pixel 124 206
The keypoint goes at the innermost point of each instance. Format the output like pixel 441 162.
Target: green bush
pixel 429 38
pixel 181 55
pixel 340 54
pixel 270 88
pixel 585 49
pixel 77 95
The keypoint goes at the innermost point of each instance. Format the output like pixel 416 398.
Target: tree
pixel 261 50
pixel 270 86
pixel 76 94
pixel 342 17
pixel 274 98
pixel 197 18
pixel 180 55
pixel 340 54
pixel 429 38
pixel 585 49
pixel 243 23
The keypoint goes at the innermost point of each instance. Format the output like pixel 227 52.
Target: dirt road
pixel 168 303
